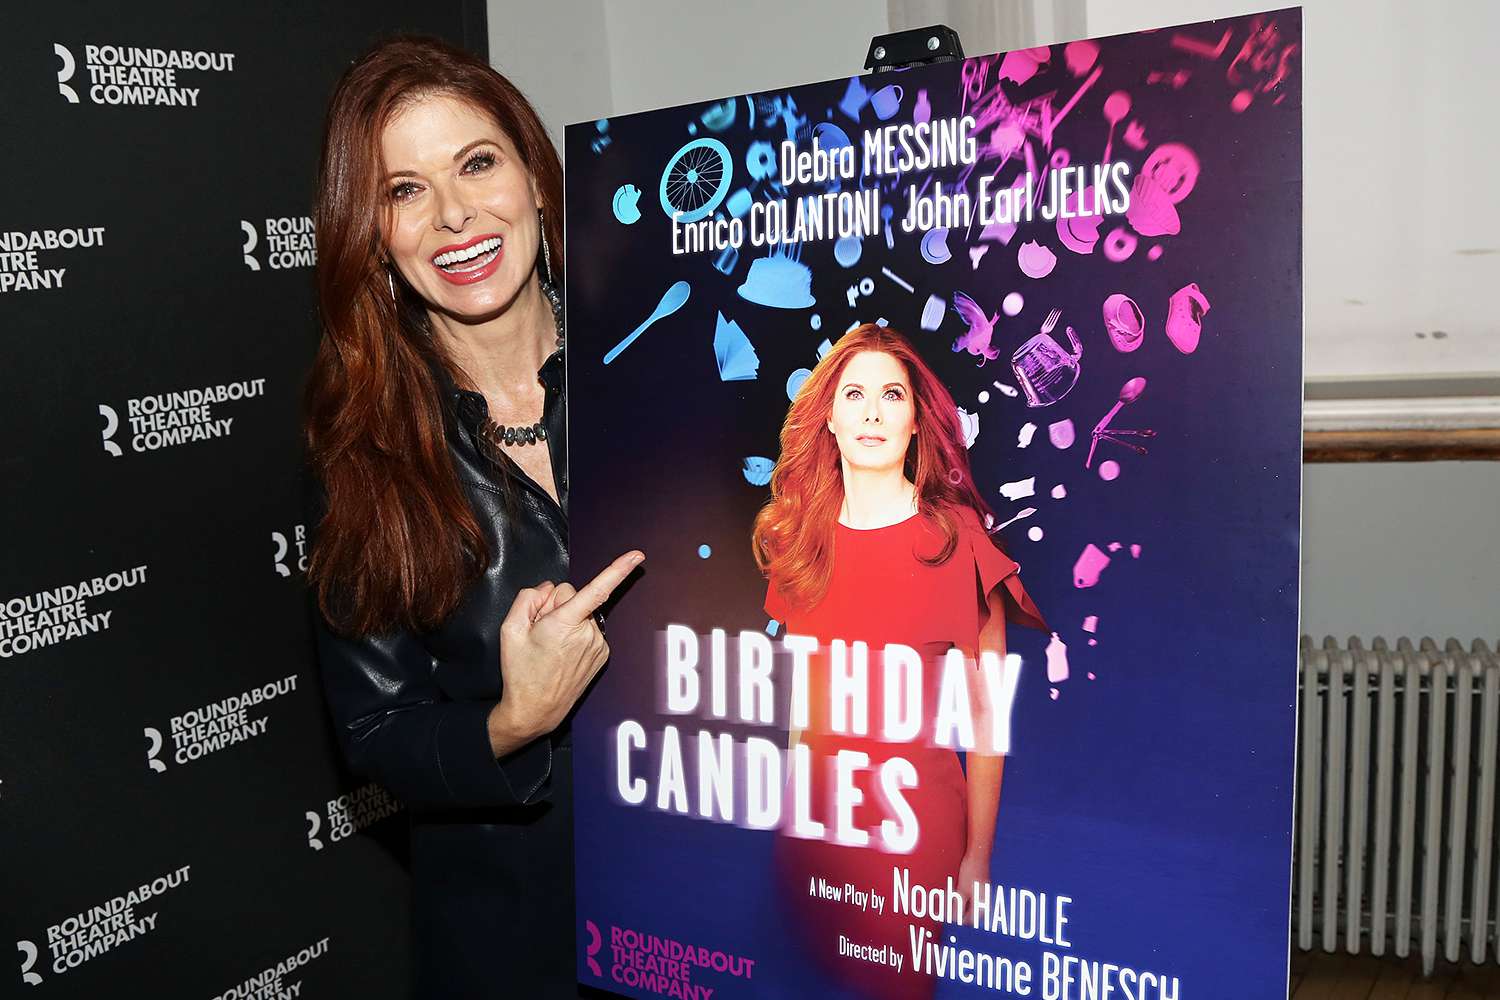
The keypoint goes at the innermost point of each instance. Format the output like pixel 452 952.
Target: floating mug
pixel 887 101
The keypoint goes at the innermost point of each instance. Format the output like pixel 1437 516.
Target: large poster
pixel 958 412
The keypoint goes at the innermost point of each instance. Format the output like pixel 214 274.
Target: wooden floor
pixel 1317 975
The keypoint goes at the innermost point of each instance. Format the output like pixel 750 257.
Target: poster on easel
pixel 957 409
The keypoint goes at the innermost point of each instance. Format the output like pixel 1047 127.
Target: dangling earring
pixel 546 250
pixel 391 281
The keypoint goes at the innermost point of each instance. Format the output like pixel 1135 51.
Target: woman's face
pixel 874 416
pixel 462 225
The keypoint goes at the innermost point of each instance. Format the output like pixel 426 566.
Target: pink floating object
pixel 1090 564
pixel 1081 56
pixel 1091 623
pixel 975 253
pixel 1151 212
pixel 1059 491
pixel 1109 470
pixel 1054 693
pixel 1023 437
pixel 1057 660
pixel 1116 107
pixel 1080 233
pixel 1154 253
pixel 1114 546
pixel 1185 317
pixel 1135 135
pixel 1036 261
pixel 1061 434
pixel 1012 304
pixel 1174 168
pixel 1034 533
pixel 1239 102
pixel 1092 642
pixel 1135 551
pixel 1124 322
pixel 1119 244
pixel 1021 65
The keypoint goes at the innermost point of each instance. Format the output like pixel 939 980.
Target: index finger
pixel 594 593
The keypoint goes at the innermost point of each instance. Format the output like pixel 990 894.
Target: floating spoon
pixel 670 303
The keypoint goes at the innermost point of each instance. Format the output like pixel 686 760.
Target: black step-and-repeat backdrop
pixel 174 815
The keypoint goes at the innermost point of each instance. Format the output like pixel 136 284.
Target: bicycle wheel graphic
pixel 696 179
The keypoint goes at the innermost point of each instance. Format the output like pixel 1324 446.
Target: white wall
pixel 1388 549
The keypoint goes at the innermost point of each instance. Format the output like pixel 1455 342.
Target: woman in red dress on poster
pixel 875 532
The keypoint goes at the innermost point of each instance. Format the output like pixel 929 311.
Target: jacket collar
pixel 471 406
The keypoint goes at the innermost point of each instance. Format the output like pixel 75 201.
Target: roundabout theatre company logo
pixel 22 270
pixel 288 243
pixel 661 965
pixel 166 419
pixel 130 74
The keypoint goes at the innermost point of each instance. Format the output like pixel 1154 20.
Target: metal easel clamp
pixel 915 47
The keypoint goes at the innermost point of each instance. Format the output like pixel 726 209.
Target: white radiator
pixel 1395 843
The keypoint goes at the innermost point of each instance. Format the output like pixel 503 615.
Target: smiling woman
pixel 451 649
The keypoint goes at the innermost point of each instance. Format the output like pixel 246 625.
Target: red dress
pixel 880 592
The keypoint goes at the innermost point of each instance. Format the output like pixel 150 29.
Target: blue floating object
pixel 757 470
pixel 739 203
pixel 779 280
pixel 829 136
pixel 816 322
pixel 733 351
pixel 704 552
pixel 695 180
pixel 728 257
pixel 719 116
pixel 772 627
pixel 794 382
pixel 847 250
pixel 626 210
pixel 760 159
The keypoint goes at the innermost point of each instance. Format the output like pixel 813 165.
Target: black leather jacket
pixel 491 839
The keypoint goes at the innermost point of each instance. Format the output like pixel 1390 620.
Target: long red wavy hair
pixel 794 531
pixel 398 542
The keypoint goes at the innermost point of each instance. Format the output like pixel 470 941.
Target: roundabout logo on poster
pixel 661 965
pixel 21 270
pixel 136 75
pixel 164 420
pixel 288 243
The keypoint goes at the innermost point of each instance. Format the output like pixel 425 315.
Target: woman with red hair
pixel 875 532
pixel 451 649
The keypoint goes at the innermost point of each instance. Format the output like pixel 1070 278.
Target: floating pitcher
pixel 1046 372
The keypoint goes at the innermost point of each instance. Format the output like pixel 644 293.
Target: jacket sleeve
pixel 396 726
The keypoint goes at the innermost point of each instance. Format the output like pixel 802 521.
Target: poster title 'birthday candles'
pixel 1076 191
pixel 742 783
